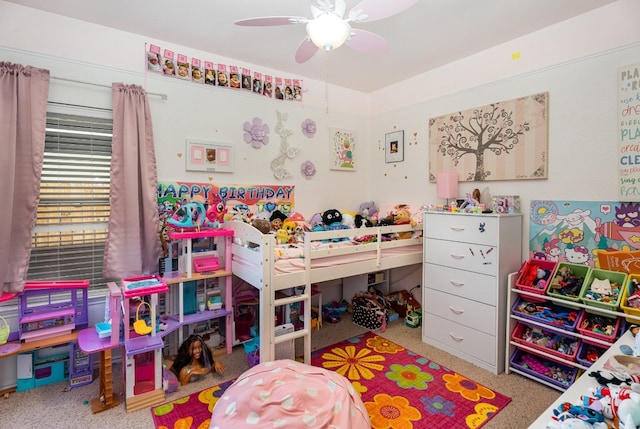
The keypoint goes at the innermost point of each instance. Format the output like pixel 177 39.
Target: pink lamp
pixel 447 185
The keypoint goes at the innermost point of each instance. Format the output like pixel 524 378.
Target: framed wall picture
pixel 208 156
pixel 343 149
pixel 394 146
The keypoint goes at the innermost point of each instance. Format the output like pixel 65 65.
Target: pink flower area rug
pixel 399 388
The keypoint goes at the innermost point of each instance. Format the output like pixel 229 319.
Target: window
pixel 71 227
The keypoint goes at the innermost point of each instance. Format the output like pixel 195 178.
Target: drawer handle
pixel 456 256
pixel 455 283
pixel 455 310
pixel 455 337
pixel 457 228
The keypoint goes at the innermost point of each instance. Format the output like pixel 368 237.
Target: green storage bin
pixel 614 277
pixel 577 270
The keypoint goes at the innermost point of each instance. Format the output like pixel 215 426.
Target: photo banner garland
pixel 505 140
pixel 169 64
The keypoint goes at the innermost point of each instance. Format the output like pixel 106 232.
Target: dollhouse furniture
pixel 175 317
pixel 49 308
pixel 254 261
pixel 90 341
pixel 142 351
pixel 49 312
pixel 467 260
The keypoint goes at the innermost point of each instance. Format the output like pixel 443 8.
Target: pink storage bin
pixel 530 283
pixel 584 329
pixel 571 344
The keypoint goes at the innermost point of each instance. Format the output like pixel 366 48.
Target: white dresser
pixel 467 259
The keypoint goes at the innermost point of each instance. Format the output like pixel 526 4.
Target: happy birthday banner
pixel 172 65
pixel 258 200
pixel 629 133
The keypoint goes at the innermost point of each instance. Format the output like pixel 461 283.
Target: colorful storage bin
pixel 616 280
pixel 624 300
pixel 589 353
pixel 530 281
pixel 588 320
pixel 552 372
pixel 547 312
pixel 561 346
pixel 574 278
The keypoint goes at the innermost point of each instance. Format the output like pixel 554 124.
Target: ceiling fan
pixel 329 28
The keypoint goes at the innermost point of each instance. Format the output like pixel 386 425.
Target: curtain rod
pixel 163 96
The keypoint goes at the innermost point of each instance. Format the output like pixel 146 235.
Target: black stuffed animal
pixel 332 217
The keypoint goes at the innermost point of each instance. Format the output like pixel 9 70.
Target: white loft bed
pixel 254 261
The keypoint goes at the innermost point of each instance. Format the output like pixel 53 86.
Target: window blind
pixel 71 228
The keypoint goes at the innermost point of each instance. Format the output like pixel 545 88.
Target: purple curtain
pixel 23 113
pixel 133 243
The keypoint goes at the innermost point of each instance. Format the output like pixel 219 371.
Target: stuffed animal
pixel 368 212
pixel 332 220
pixel 402 216
pixel 262 225
pixel 277 218
pixel 290 226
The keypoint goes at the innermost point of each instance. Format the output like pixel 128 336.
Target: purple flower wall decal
pixel 308 169
pixel 256 133
pixel 308 127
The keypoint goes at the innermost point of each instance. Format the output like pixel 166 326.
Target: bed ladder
pixel 305 332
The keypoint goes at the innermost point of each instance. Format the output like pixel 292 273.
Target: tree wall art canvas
pixel 506 140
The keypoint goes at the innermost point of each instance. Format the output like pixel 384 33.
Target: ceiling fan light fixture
pixel 328 31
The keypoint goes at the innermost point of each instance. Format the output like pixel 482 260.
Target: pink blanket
pixel 285 393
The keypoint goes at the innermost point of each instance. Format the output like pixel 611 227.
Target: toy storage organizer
pixel 530 360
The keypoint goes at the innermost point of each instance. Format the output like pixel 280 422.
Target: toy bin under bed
pixel 614 281
pixel 548 313
pixel 558 287
pixel 547 370
pixel 529 280
pixel 550 342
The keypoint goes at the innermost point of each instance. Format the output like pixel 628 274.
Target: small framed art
pixel 209 156
pixel 394 146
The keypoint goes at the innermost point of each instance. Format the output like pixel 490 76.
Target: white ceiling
pixel 430 34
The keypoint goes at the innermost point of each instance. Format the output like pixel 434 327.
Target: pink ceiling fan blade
pixel 270 21
pixel 374 10
pixel 367 42
pixel 305 50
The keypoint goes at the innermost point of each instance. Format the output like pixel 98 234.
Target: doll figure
pixel 194 361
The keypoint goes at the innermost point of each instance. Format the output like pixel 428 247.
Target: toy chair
pixel 140 325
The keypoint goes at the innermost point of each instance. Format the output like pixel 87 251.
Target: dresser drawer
pixel 459 337
pixel 461 311
pixel 466 228
pixel 478 258
pixel 478 287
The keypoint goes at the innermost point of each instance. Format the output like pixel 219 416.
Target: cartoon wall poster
pixel 343 149
pixel 578 231
pixel 168 64
pixel 154 60
pixel 629 133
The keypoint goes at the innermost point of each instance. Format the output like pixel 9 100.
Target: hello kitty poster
pixel 576 231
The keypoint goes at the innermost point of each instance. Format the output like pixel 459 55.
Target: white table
pixel 581 386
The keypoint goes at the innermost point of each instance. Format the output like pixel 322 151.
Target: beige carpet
pixel 54 407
